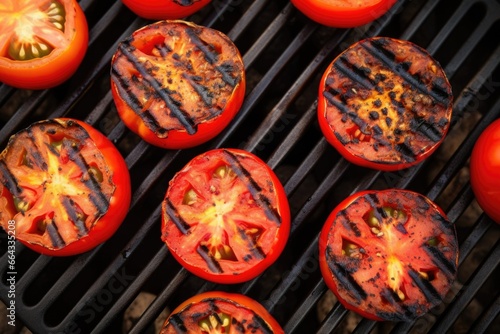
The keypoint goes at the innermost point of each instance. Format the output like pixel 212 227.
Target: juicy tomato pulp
pixel 220 312
pixel 64 185
pixel 388 255
pixel 485 170
pixel 176 84
pixel 42 42
pixel 225 216
pixel 343 13
pixel 165 9
pixel 384 104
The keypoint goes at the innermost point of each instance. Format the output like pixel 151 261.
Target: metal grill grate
pixel 285 54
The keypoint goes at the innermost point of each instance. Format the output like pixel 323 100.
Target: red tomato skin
pixel 237 298
pixel 163 9
pixel 485 170
pixel 54 69
pixel 323 241
pixel 108 224
pixel 272 256
pixel 330 13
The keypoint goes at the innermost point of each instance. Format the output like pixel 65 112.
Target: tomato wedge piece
pixel 225 216
pixel 42 42
pixel 64 185
pixel 177 84
pixel 220 312
pixel 165 9
pixel 388 255
pixel 385 104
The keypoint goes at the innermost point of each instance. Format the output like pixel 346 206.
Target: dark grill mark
pixel 251 245
pixel 387 58
pixel 178 324
pixel 96 196
pixel 176 218
pixel 202 91
pixel 208 50
pixel 70 210
pixel 406 151
pixel 9 180
pixel 334 102
pixel 354 73
pixel 259 323
pixel 163 49
pixel 162 92
pixel 212 57
pixel 427 129
pixel 132 100
pixel 34 151
pixel 440 260
pixel 212 264
pixel 253 187
pixel 345 279
pixel 426 287
pixel 54 236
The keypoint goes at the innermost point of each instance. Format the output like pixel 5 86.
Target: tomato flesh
pixel 173 77
pixel 385 104
pixel 223 218
pixel 55 184
pixel 32 29
pixel 219 312
pixel 42 42
pixel 388 255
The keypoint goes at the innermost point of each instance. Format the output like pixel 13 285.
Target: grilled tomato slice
pixel 388 255
pixel 165 9
pixel 384 104
pixel 343 13
pixel 177 84
pixel 485 170
pixel 221 312
pixel 42 42
pixel 64 185
pixel 225 216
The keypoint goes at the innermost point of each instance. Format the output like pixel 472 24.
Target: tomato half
pixel 65 185
pixel 388 255
pixel 385 104
pixel 485 170
pixel 225 216
pixel 165 9
pixel 42 42
pixel 177 84
pixel 343 13
pixel 220 312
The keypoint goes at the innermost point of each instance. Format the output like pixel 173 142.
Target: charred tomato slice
pixel 165 9
pixel 388 255
pixel 225 216
pixel 385 104
pixel 177 84
pixel 64 185
pixel 221 312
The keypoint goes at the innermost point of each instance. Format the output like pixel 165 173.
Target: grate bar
pixel 481 325
pixel 453 311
